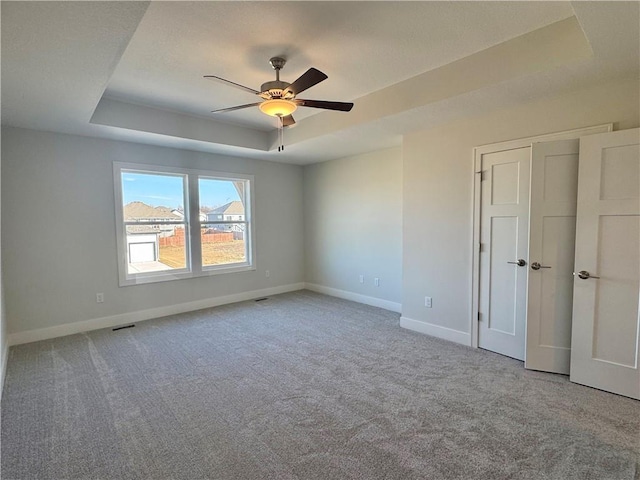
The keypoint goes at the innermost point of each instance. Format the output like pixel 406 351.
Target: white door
pixel 605 335
pixel 504 225
pixel 552 232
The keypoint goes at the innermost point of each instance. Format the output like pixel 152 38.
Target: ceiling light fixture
pixel 278 107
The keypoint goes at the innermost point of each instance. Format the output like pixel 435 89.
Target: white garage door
pixel 142 252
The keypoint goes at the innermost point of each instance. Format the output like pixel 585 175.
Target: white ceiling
pixel 133 70
pixel 363 47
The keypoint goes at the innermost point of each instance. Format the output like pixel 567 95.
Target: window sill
pixel 141 279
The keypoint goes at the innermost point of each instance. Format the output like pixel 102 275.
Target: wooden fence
pixel 177 239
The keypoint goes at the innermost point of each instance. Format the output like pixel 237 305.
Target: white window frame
pixel 191 221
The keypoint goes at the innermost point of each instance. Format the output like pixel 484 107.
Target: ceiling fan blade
pixel 220 79
pixel 237 107
pixel 308 79
pixel 288 121
pixel 340 106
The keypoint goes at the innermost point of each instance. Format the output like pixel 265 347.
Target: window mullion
pixel 195 239
pixel 226 222
pixel 154 222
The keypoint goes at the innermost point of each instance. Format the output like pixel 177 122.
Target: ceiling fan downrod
pixel 277 63
pixel 275 88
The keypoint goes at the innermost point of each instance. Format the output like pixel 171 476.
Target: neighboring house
pixel 141 212
pixel 229 212
pixel 143 240
pixel 202 216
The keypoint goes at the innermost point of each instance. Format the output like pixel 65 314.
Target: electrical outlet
pixel 376 282
pixel 361 278
pixel 267 273
pixel 427 302
pixel 99 297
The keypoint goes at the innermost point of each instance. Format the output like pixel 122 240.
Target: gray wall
pixel 58 237
pixel 403 215
pixel 353 224
pixel 437 191
pixel 4 347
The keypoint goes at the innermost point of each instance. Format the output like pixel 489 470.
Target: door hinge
pixel 478 316
pixel 482 175
pixel 480 247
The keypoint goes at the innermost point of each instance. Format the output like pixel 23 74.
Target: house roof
pixel 231 208
pixel 135 211
pixel 142 230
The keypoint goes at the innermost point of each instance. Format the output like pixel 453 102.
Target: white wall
pixel 437 192
pixel 4 347
pixel 58 237
pixel 353 226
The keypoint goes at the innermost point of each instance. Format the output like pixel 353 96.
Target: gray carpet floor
pixel 300 386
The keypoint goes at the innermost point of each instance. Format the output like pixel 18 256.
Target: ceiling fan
pixel 279 98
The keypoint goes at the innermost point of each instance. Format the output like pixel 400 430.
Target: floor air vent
pixel 123 327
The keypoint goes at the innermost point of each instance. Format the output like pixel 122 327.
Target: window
pixel 176 223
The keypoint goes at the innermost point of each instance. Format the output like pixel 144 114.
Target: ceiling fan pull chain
pixel 278 130
pixel 279 122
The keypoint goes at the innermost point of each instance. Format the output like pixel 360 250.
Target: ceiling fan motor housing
pixel 275 89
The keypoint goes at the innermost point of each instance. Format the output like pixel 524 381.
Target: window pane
pixel 221 200
pixel 223 244
pixel 155 248
pixel 148 197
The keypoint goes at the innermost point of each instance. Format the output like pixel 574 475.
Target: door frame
pixel 478 152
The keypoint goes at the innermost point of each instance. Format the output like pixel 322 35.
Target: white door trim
pixel 478 152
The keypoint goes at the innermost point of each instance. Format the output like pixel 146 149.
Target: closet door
pixel 552 231
pixel 504 235
pixel 606 323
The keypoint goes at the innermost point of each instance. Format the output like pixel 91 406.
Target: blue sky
pixel 167 190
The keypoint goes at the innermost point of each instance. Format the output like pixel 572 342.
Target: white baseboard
pixel 436 331
pixel 3 365
pixel 355 297
pixel 141 315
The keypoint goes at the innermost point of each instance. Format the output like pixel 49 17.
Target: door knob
pixel 520 262
pixel 537 266
pixel 584 275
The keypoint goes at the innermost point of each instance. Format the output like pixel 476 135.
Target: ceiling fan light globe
pixel 278 107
